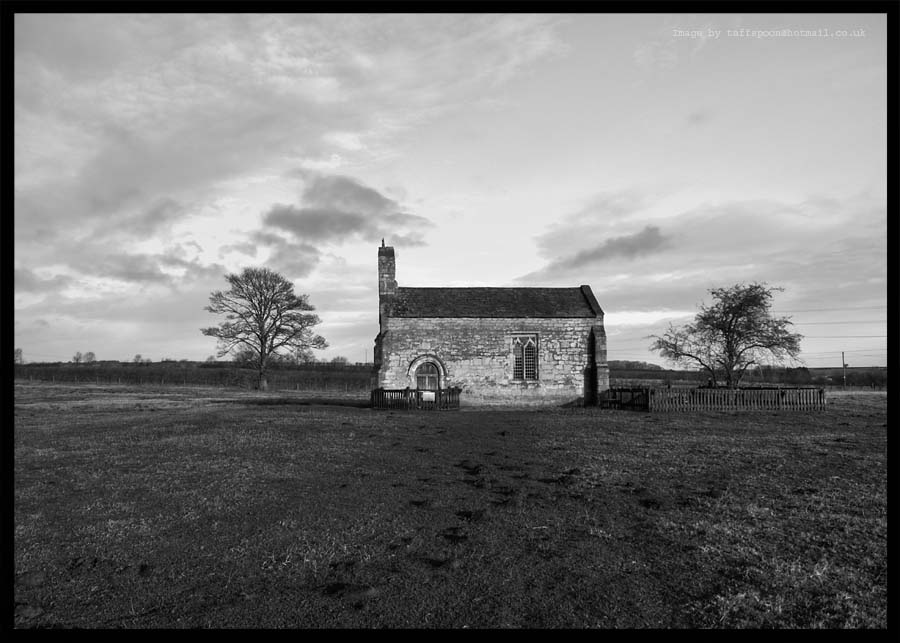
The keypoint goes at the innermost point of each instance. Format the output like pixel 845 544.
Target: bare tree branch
pixel 263 315
pixel 732 334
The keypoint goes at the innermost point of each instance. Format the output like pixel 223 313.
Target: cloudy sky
pixel 651 156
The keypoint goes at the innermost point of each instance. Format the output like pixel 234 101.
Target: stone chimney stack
pixel 387 271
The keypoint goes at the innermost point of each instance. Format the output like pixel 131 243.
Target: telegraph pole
pixel 844 370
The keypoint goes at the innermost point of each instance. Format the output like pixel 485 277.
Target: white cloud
pixel 345 141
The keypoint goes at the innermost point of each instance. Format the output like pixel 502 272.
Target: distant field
pixel 360 378
pixel 148 507
pixel 343 378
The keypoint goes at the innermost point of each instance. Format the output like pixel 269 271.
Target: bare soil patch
pixel 174 507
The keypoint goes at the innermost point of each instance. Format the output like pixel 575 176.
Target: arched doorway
pixel 428 377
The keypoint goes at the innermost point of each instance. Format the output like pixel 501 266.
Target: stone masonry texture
pixel 475 354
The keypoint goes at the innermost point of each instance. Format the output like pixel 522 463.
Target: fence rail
pixel 700 399
pixel 632 399
pixel 412 399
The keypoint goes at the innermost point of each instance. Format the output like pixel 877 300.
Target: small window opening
pixel 525 358
pixel 427 377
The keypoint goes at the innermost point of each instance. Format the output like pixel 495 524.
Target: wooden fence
pixel 632 399
pixel 412 399
pixel 702 399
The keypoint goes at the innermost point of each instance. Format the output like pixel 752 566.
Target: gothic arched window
pixel 525 358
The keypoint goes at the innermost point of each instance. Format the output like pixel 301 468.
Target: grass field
pixel 142 508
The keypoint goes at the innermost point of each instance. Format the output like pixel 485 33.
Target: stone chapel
pixel 498 345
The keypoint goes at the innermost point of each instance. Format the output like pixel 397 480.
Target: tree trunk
pixel 261 367
pixel 728 374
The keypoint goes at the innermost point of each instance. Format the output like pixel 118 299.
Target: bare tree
pixel 137 359
pixel 77 357
pixel 736 332
pixel 89 357
pixel 264 316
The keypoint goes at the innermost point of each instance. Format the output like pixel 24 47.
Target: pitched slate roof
pixel 494 302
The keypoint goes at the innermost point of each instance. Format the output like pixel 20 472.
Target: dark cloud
pixel 34 220
pixel 194 271
pixel 335 209
pixel 315 223
pixel 597 218
pixel 137 268
pixel 344 193
pixel 85 261
pixel 642 243
pixel 267 239
pixel 291 258
pixel 170 267
pixel 627 246
pixel 294 262
pixel 27 281
pixel 159 215
pixel 136 222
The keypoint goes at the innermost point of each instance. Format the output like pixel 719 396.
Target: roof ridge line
pixel 490 287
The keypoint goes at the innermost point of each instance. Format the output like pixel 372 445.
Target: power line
pixel 827 310
pixel 834 355
pixel 829 354
pixel 849 321
pixel 860 352
pixel 856 358
pixel 839 336
pixel 853 350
